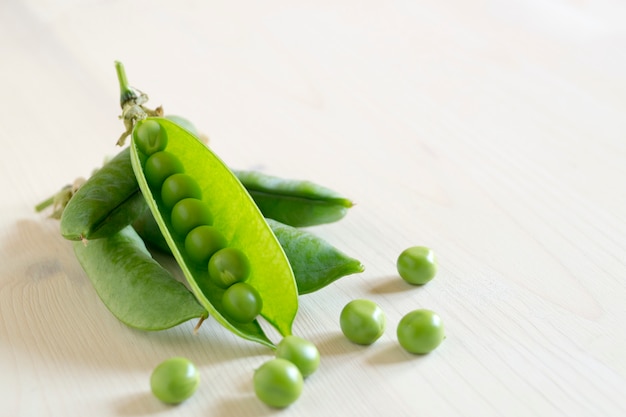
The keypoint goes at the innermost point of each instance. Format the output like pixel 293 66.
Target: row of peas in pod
pixel 192 221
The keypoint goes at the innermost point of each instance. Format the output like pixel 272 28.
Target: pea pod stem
pixel 44 204
pixel 126 92
pixel 60 199
pixel 132 102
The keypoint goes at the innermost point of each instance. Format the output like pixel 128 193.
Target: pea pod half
pixel 234 216
pixel 133 286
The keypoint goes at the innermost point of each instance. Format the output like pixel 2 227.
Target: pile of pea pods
pixel 236 235
pixel 239 239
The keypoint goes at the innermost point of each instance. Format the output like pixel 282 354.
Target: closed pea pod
pixel 294 202
pixel 241 223
pixel 106 203
pixel 315 262
pixel 133 286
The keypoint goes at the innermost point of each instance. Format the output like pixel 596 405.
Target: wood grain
pixel 491 131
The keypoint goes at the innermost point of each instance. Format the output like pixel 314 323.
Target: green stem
pixel 44 204
pixel 126 91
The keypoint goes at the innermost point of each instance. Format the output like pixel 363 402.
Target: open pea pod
pixel 241 223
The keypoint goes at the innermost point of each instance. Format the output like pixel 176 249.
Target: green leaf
pixel 244 227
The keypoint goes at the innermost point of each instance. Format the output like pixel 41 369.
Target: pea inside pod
pixel 237 219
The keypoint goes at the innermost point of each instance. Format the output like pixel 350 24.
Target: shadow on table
pixel 391 284
pixel 381 352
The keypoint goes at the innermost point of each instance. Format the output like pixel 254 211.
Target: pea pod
pixel 236 218
pixel 133 286
pixel 109 201
pixel 315 262
pixel 294 202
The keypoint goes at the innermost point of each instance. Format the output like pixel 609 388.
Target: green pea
pixel 188 214
pixel 242 302
pixel 278 383
pixel 150 137
pixel 161 165
pixel 133 286
pixel 178 187
pixel 106 203
pixel 420 331
pixel 202 242
pixel 228 266
pixel 417 265
pixel 174 380
pixel 362 321
pixel 300 352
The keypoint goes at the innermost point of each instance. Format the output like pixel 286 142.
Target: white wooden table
pixel 493 132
